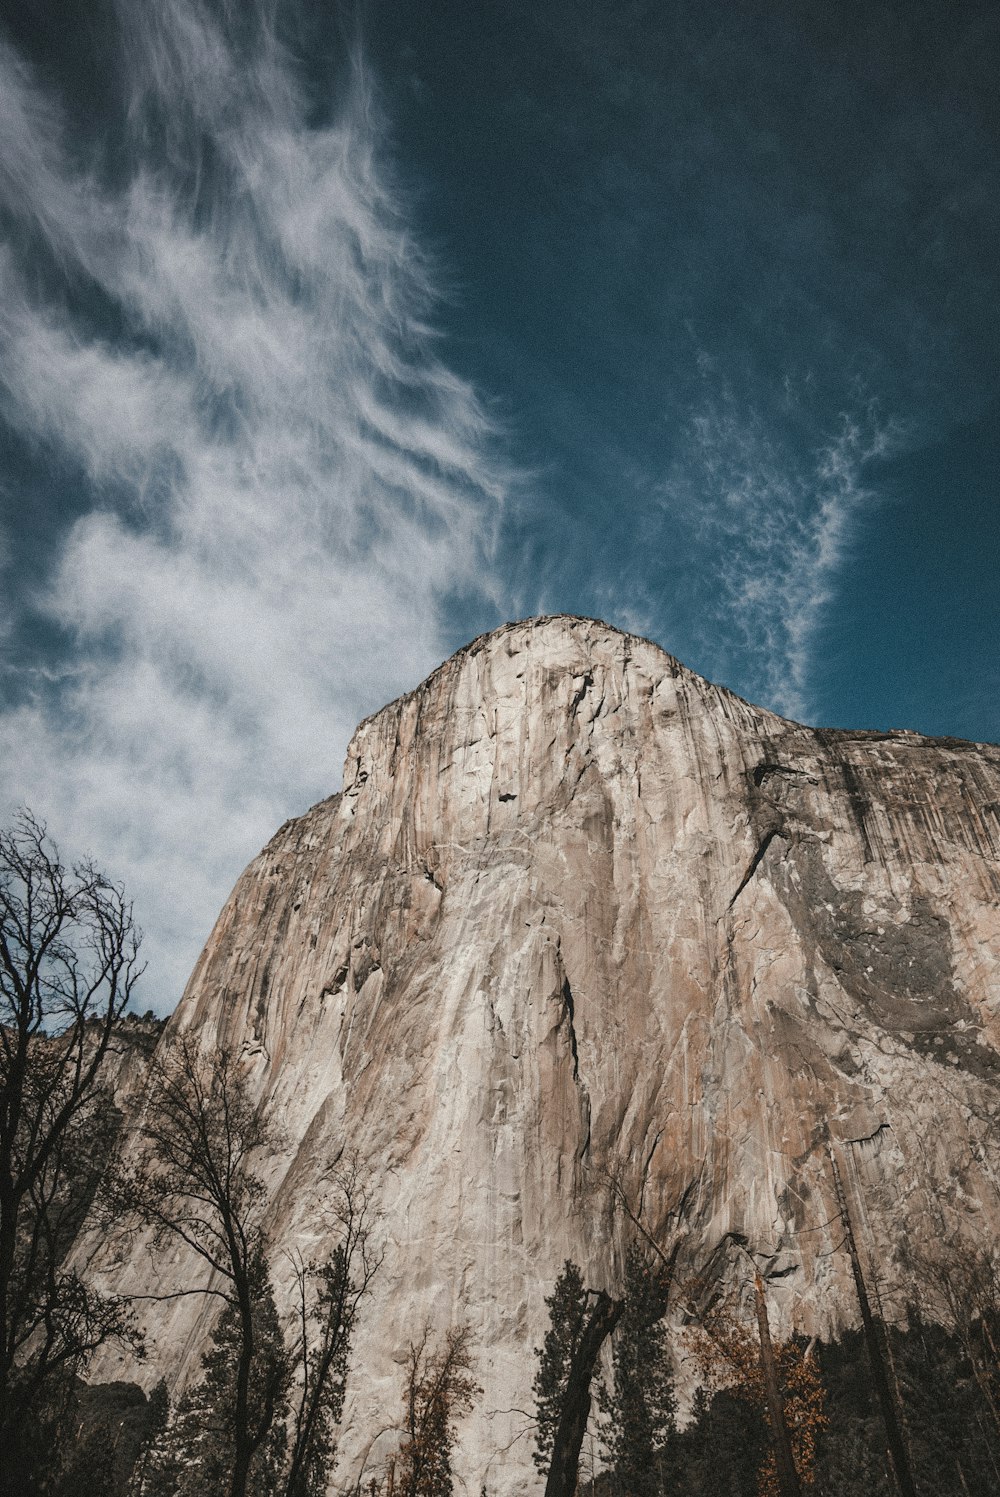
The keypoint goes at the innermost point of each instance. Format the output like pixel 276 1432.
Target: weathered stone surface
pixel 575 911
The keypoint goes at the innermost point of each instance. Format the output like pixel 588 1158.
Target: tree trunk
pixel 788 1477
pixel 242 1450
pixel 575 1411
pixel 890 1414
pixel 9 1203
pixel 309 1409
pixel 6 1348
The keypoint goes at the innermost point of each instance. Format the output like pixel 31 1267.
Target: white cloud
pixel 287 480
pixel 775 529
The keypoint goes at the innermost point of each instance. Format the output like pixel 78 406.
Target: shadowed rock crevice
pixel 755 862
pixel 567 998
pixel 764 771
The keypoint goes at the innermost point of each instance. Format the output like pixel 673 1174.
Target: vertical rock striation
pixel 578 911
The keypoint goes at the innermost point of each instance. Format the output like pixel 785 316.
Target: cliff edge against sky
pixel 578 912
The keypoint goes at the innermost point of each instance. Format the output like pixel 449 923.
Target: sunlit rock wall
pixel 577 911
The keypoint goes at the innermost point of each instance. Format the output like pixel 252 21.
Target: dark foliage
pixel 196 1454
pixel 721 1451
pixel 329 1298
pixel 951 1436
pixel 952 1439
pixel 567 1305
pixel 639 1408
pixel 108 1430
pixel 87 1440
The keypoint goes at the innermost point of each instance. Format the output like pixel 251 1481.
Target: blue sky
pixel 331 338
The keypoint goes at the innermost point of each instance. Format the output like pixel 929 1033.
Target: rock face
pixel 578 911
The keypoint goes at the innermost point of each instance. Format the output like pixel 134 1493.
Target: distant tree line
pixel 908 1409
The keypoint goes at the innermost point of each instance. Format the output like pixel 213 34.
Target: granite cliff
pixel 577 911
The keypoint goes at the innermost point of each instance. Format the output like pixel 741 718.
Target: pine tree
pixel 567 1306
pixel 640 1407
pixel 720 1451
pixel 195 1455
pixel 330 1294
pixel 324 1373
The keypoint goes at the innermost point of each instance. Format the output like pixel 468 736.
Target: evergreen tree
pixel 640 1407
pixel 196 1454
pixel 324 1368
pixel 720 1452
pixel 567 1314
pixel 330 1294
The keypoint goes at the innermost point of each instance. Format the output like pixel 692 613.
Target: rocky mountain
pixel 576 913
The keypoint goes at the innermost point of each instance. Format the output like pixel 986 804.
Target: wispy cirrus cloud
pixel 227 334
pixel 775 511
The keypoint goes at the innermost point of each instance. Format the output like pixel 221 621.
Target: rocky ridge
pixel 576 911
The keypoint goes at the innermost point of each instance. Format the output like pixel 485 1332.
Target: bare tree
pixel 194 1180
pixel 330 1294
pixel 68 965
pixel 439 1387
pixel 955 1280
